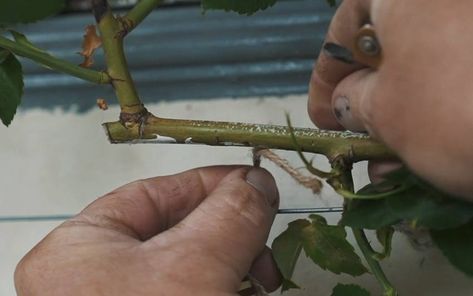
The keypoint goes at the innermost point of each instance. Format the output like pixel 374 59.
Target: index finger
pixel 328 72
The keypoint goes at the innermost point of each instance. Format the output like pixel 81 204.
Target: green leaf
pixel 247 7
pixel 419 203
pixel 25 11
pixel 11 86
pixel 431 209
pixel 328 247
pixel 369 214
pixel 4 54
pixel 286 250
pixel 457 245
pixel 349 290
pixel 385 238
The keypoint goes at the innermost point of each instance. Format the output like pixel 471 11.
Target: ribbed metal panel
pixel 179 53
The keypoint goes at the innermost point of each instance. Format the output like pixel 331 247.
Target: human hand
pixel 419 101
pixel 194 233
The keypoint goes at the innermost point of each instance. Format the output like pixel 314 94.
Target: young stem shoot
pixel 138 13
pixel 45 59
pixel 297 147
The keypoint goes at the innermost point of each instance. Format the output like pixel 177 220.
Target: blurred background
pixel 55 158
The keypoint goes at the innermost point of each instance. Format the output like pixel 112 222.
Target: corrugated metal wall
pixel 179 53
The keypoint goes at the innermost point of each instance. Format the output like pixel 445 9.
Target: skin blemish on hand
pixel 344 115
pixel 341 109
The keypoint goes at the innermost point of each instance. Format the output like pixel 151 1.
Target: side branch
pixel 356 147
pixel 138 13
pixel 45 59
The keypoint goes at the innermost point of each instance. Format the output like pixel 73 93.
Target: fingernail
pixel 343 114
pixel 262 181
pixel 338 52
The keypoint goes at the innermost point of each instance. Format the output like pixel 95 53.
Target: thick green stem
pixel 45 59
pixel 112 34
pixel 370 256
pixel 138 13
pixel 332 144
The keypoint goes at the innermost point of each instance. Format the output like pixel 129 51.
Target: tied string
pixel 310 182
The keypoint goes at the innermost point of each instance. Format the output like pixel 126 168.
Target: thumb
pixel 351 100
pixel 232 224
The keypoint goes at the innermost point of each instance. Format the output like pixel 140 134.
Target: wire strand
pixel 46 218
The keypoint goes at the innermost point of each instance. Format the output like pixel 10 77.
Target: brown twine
pixel 309 182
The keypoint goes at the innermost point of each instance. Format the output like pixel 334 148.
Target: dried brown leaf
pixel 102 104
pixel 89 45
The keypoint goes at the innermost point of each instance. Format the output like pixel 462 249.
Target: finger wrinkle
pixel 133 204
pixel 157 203
pixel 172 201
pixel 103 221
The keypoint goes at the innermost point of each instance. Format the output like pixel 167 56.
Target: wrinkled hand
pixel 420 100
pixel 194 233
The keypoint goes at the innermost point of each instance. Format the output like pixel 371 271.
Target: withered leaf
pixel 102 104
pixel 89 45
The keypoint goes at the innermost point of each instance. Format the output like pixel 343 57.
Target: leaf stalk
pixel 45 59
pixel 374 265
pixel 350 195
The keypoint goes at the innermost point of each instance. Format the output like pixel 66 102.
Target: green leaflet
pixel 349 290
pixel 419 203
pixel 11 86
pixel 286 250
pixel 457 245
pixel 4 54
pixel 385 238
pixel 247 7
pixel 369 214
pixel 326 245
pixel 25 11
